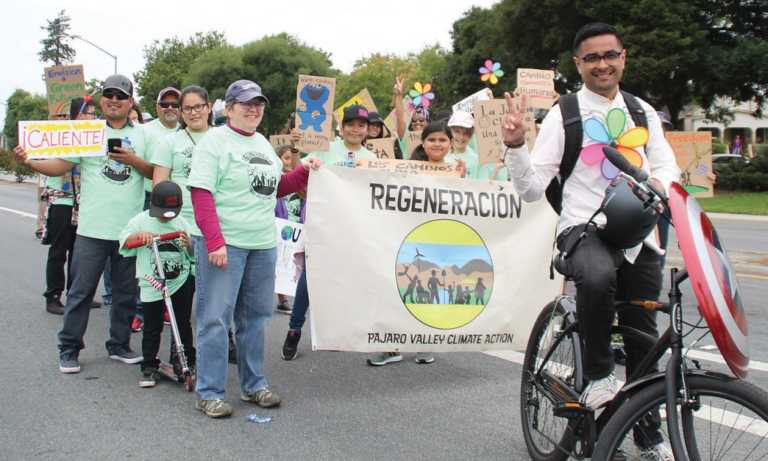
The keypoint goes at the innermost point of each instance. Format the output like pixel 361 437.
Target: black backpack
pixel 574 137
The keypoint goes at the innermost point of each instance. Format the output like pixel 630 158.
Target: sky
pixel 349 30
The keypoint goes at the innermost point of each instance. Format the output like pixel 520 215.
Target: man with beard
pixel 111 193
pixel 167 121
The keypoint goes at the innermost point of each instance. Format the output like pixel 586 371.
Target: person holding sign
pixel 235 179
pixel 602 273
pixel 111 193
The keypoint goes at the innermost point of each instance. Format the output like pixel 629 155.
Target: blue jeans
pixel 300 304
pixel 244 288
pixel 107 277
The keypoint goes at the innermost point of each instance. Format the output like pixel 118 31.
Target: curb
pixel 738 217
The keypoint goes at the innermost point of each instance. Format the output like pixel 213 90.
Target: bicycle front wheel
pixel 728 420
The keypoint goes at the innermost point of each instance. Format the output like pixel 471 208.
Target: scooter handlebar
pixel 131 244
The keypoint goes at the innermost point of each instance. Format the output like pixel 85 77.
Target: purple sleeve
pixel 207 219
pixel 293 181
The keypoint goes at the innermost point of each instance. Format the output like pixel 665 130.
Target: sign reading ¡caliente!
pixel 63 138
pixel 63 83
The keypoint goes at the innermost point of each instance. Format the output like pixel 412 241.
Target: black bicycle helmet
pixel 628 219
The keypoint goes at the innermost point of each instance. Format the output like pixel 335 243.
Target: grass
pixel 755 203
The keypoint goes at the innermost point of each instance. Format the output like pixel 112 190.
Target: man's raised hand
pixel 513 124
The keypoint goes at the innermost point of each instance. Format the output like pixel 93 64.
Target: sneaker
pixel 107 300
pixel 149 377
pixel 166 317
pixel 384 358
pixel 68 362
pixel 283 308
pixel 136 324
pixel 264 398
pixel 216 408
pixel 424 357
pixel 291 344
pixel 600 392
pixel 54 306
pixel 125 355
pixel 660 452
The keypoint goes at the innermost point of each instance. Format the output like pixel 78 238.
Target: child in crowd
pixel 161 218
pixel 462 127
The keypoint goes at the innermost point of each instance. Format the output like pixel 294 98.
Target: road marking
pixel 21 213
pixel 708 347
pixel 753 276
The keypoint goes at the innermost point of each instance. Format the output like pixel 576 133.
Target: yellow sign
pixel 363 98
pixel 63 138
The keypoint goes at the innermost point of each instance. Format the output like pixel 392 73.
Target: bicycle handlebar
pixel 130 244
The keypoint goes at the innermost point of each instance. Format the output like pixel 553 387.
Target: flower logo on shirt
pixel 421 95
pixel 611 133
pixel 491 72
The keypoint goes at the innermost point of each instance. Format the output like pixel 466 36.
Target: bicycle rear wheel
pixel 728 421
pixel 548 438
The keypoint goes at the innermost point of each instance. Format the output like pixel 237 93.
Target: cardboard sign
pixel 63 138
pixel 488 118
pixel 63 83
pixel 411 167
pixel 391 122
pixel 314 109
pixel 467 104
pixel 412 141
pixel 693 151
pixel 362 98
pixel 288 267
pixel 383 148
pixel 539 87
pixel 279 140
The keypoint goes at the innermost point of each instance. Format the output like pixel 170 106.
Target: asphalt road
pixel 464 406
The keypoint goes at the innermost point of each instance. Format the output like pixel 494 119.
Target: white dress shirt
pixel 585 187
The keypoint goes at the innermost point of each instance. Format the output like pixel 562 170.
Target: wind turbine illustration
pixel 418 257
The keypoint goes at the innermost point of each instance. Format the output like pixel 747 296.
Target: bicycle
pixel 556 426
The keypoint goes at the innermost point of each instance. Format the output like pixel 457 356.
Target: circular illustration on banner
pixel 444 274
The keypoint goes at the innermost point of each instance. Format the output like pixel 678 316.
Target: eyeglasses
pixel 110 94
pixel 168 105
pixel 609 57
pixel 254 104
pixel 195 108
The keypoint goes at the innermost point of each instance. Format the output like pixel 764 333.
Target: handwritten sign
pixel 693 152
pixel 488 119
pixel 411 167
pixel 363 98
pixel 279 140
pixel 538 86
pixel 467 104
pixel 412 141
pixel 314 109
pixel 63 138
pixel 383 148
pixel 63 83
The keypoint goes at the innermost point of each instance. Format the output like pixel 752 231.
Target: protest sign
pixel 63 84
pixel 63 138
pixel 280 140
pixel 429 263
pixel 488 119
pixel 391 122
pixel 412 141
pixel 693 152
pixel 362 98
pixel 538 86
pixel 411 167
pixel 314 108
pixel 382 148
pixel 290 241
pixel 467 104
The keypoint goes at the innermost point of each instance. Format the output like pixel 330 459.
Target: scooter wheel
pixel 189 383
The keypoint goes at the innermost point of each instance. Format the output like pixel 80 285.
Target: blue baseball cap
pixel 244 91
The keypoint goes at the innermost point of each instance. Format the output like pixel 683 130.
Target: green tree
pixel 22 106
pixel 56 47
pixel 169 61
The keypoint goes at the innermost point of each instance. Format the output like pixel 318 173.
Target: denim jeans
pixel 244 289
pixel 87 266
pixel 300 303
pixel 107 277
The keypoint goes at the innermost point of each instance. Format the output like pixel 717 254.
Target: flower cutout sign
pixel 491 72
pixel 611 133
pixel 421 95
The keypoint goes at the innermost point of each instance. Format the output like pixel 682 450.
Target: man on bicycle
pixel 602 273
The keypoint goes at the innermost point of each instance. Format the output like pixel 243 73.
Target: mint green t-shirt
pixel 242 173
pixel 338 155
pixel 176 260
pixel 111 193
pixel 56 183
pixel 470 158
pixel 174 151
pixel 487 170
pixel 154 132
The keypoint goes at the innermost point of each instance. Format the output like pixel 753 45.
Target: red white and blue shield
pixel 712 277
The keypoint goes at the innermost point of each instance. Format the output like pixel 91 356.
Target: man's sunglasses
pixel 609 57
pixel 168 105
pixel 115 94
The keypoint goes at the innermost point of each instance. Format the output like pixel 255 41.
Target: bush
pixel 739 175
pixel 8 165
pixel 718 147
pixel 760 149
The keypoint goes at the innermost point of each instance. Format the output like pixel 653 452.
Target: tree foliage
pixel 22 106
pixel 56 48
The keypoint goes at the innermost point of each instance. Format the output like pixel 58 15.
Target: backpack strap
pixel 636 111
pixel 574 134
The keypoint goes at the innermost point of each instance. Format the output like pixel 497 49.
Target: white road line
pixel 21 213
pixel 708 347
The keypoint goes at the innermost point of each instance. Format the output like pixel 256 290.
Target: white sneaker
pixel 660 452
pixel 600 392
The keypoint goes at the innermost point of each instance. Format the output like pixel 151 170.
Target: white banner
pixel 290 241
pixel 423 263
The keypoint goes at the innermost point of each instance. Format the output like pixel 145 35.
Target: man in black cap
pixel 111 193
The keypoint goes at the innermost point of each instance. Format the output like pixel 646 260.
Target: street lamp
pixel 97 47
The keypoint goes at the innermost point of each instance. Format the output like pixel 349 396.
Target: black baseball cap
pixel 355 112
pixel 166 200
pixel 375 117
